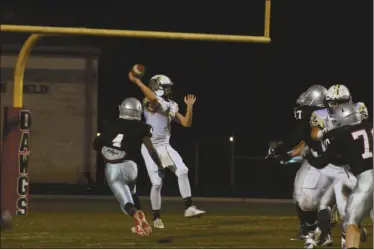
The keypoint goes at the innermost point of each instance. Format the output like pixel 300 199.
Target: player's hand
pixel 132 77
pixel 189 99
pixel 161 173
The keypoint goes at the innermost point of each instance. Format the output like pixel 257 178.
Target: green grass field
pixel 99 223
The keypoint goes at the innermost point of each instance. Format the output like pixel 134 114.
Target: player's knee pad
pixel 307 202
pixel 181 171
pixel 157 185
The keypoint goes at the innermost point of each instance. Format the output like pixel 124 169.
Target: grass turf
pixel 88 223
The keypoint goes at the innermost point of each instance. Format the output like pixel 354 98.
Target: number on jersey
pixel 117 141
pixel 364 136
pixel 298 114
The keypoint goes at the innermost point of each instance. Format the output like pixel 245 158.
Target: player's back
pixel 357 142
pixel 123 135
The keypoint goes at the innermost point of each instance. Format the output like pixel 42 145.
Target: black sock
pixel 324 222
pixel 299 212
pixel 156 214
pixel 308 219
pixel 136 201
pixel 187 202
pixel 130 209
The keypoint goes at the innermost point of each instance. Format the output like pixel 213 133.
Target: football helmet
pixel 131 109
pixel 313 96
pixel 336 95
pixel 346 114
pixel 161 85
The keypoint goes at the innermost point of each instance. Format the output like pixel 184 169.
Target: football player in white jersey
pixel 321 123
pixel 159 112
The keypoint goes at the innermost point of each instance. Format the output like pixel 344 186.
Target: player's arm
pixel 298 150
pixel 332 151
pixel 186 120
pixel 294 140
pixel 148 93
pixel 152 152
pixel 98 142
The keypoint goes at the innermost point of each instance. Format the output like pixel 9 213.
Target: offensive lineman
pixel 159 111
pixel 353 139
pixel 307 190
pixel 321 123
pixel 118 144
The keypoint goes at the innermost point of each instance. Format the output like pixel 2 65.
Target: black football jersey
pixel 301 132
pixel 354 143
pixel 124 136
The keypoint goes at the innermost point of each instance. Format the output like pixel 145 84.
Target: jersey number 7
pixel 362 133
pixel 117 141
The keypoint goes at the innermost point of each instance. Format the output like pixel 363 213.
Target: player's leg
pixel 135 196
pixel 324 214
pixel 308 219
pixel 119 176
pixel 359 204
pixel 313 186
pixel 181 171
pixel 156 181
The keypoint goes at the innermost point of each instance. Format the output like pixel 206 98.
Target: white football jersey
pixel 160 119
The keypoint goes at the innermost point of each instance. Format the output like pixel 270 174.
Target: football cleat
pixel 157 223
pixel 193 212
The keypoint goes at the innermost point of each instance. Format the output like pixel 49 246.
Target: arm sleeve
pixel 148 130
pixel 331 152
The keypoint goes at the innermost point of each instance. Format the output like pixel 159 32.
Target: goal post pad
pixel 15 152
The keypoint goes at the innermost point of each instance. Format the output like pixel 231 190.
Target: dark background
pixel 248 89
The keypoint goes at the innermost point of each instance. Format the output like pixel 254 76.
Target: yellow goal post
pixel 38 31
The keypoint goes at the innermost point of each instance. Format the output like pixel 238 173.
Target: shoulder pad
pixel 361 108
pixel 316 119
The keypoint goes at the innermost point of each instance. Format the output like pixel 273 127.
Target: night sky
pixel 248 89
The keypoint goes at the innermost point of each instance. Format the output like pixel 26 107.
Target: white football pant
pixel 170 159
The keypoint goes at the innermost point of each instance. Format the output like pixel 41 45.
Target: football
pixel 138 70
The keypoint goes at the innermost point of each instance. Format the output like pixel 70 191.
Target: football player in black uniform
pixel 306 199
pixel 352 139
pixel 119 143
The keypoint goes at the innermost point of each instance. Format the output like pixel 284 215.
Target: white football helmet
pixel 161 85
pixel 338 94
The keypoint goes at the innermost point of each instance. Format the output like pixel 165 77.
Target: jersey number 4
pixel 117 141
pixel 365 137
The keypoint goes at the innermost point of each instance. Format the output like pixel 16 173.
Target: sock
pixel 136 201
pixel 308 219
pixel 187 202
pixel 324 222
pixel 156 214
pixel 130 209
